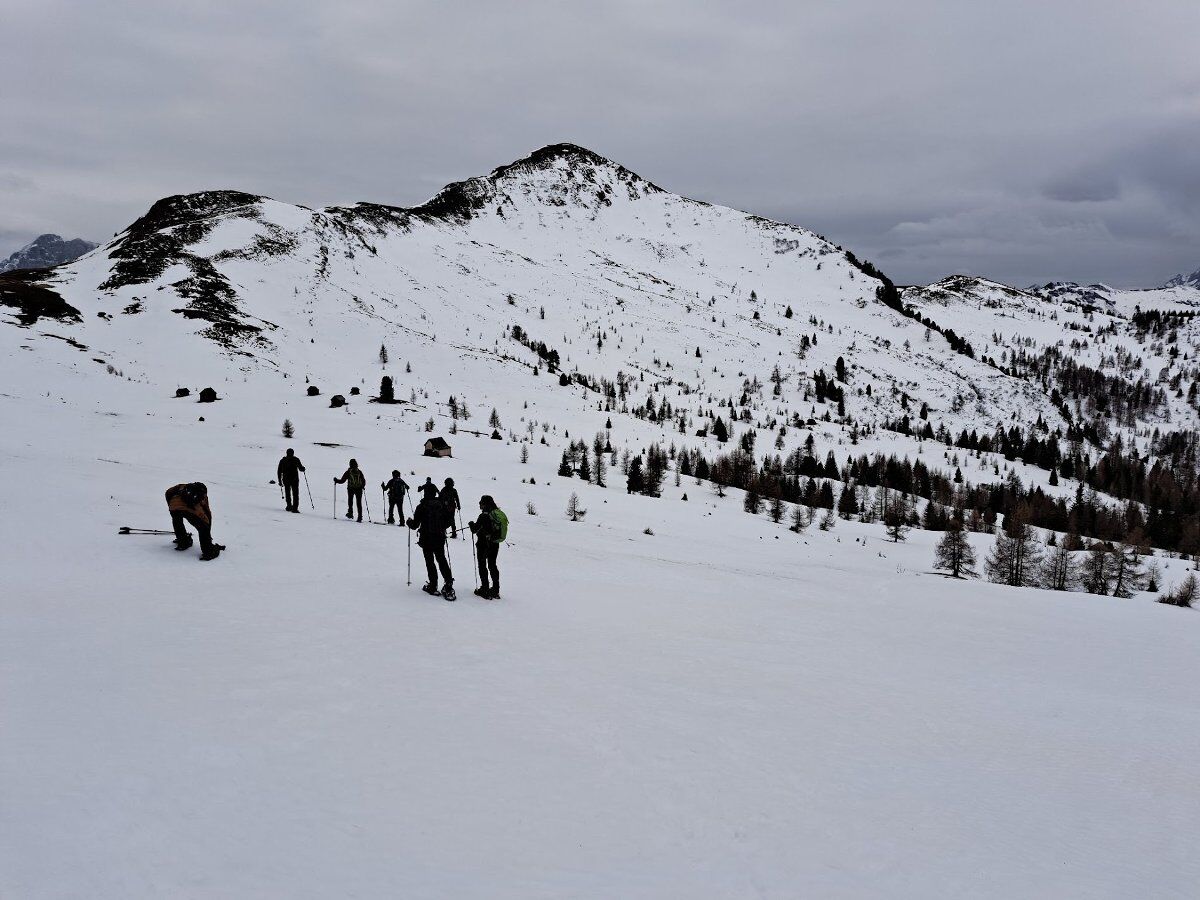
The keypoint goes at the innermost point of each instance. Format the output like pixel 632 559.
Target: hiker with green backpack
pixel 490 530
pixel 355 481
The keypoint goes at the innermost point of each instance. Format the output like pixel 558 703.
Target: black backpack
pixel 440 517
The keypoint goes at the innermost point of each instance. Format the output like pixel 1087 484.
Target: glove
pixel 471 525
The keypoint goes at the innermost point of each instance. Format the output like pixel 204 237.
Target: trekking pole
pixel 474 561
pixel 409 530
pixel 460 526
pixel 368 502
pixel 310 499
pixel 335 499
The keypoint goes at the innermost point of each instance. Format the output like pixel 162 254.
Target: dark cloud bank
pixel 1025 141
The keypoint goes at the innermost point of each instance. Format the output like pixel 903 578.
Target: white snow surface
pixel 720 709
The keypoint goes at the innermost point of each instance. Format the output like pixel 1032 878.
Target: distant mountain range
pixel 1192 280
pixel 45 251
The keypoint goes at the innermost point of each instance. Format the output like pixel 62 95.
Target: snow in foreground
pixel 705 712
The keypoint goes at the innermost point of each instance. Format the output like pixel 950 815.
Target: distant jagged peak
pixel 46 250
pixel 1192 280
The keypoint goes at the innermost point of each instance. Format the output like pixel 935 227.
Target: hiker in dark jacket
pixel 489 530
pixel 396 489
pixel 428 490
pixel 288 473
pixel 189 503
pixel 449 496
pixel 355 482
pixel 430 517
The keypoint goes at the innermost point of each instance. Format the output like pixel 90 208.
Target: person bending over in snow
pixel 289 471
pixel 432 518
pixel 189 503
pixel 396 489
pixel 355 481
pixel 490 530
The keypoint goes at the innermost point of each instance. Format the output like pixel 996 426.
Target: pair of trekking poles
pixel 365 502
pixel 283 494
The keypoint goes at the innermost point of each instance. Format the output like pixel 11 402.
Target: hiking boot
pixel 448 593
pixel 213 553
pixel 349 515
pixel 483 592
pixel 493 593
pixel 431 589
pixel 183 545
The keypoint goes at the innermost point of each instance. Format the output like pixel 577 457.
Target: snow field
pixel 707 711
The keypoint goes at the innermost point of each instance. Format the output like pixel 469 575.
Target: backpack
pixel 193 493
pixel 441 516
pixel 500 523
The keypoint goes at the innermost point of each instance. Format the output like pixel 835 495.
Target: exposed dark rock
pixel 21 291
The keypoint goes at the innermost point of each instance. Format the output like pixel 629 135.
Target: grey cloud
pixel 939 137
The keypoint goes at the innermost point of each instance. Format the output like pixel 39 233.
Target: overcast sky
pixel 1026 141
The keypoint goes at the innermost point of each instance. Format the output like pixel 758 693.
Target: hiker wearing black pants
pixel 396 489
pixel 449 496
pixel 288 473
pixel 489 529
pixel 355 482
pixel 431 518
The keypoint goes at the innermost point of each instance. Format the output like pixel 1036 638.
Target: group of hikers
pixel 433 518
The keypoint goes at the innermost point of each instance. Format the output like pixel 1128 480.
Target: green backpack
pixel 501 522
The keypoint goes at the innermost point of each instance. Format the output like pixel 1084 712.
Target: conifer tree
pixel 954 553
pixel 574 513
pixel 775 510
pixel 1016 552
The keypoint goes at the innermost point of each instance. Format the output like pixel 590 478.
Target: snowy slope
pixel 614 273
pixel 720 709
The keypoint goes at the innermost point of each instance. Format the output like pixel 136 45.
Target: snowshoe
pixel 430 589
pixel 349 515
pixel 213 553
pixel 183 545
pixel 448 593
pixel 483 592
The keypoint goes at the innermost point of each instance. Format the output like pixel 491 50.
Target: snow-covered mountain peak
pixel 1192 280
pixel 558 175
pixel 44 251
